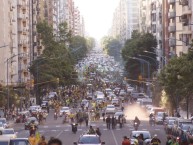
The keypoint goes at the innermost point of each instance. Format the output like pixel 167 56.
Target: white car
pixel 64 110
pixel 4 122
pixel 2 126
pixel 35 109
pixel 110 109
pixel 89 139
pixel 44 104
pixel 9 133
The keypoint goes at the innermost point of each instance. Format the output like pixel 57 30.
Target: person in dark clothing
pixel 108 121
pixel 113 122
pixel 98 132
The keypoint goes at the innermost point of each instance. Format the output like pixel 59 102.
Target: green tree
pixel 176 80
pixel 112 47
pixel 136 46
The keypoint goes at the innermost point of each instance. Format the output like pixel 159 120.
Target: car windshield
pixel 89 140
pixel 118 113
pixel 2 121
pixel 8 132
pixel 185 127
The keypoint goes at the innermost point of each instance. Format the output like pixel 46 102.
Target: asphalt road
pixel 55 128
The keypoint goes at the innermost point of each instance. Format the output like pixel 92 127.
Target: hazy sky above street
pixel 98 15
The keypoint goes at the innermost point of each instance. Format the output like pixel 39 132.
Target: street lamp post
pixel 150 58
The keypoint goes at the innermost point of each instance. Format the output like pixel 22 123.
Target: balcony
pixel 186 30
pixel 186 10
pixel 172 29
pixel 172 14
pixel 184 2
pixel 184 19
pixel 172 42
pixel 171 1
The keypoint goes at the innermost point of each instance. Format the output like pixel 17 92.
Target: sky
pixel 98 16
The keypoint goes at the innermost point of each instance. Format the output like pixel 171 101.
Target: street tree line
pixel 55 66
pixel 176 79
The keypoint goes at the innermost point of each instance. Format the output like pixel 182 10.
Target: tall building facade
pixel 8 42
pixel 125 20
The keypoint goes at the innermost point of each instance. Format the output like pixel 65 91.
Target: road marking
pixel 41 131
pixel 58 126
pixel 144 129
pixel 105 129
pixel 131 129
pixel 118 129
pixel 45 126
pixel 66 130
pixel 157 129
pixel 59 134
pixel 114 138
pixel 79 129
pixel 53 130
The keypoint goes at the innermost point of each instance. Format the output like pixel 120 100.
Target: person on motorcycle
pixel 136 120
pixel 91 130
pixel 32 127
pixel 155 140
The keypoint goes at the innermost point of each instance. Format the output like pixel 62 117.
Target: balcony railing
pixel 171 1
pixel 172 29
pixel 184 2
pixel 172 42
pixel 172 14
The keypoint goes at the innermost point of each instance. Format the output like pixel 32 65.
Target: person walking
pixel 113 122
pixel 108 121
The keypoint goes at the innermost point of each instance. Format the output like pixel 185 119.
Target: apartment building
pixel 8 42
pixel 125 20
pixel 180 29
pixel 132 17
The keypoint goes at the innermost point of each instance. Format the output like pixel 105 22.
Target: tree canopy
pixel 176 79
pixel 112 47
pixel 61 52
pixel 135 47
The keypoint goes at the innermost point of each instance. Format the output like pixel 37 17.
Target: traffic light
pixel 57 80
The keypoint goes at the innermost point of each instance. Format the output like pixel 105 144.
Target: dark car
pixel 29 121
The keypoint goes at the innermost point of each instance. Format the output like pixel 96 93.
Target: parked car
pixel 44 104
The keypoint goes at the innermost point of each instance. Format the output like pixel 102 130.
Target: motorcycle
pixel 74 128
pixel 136 126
